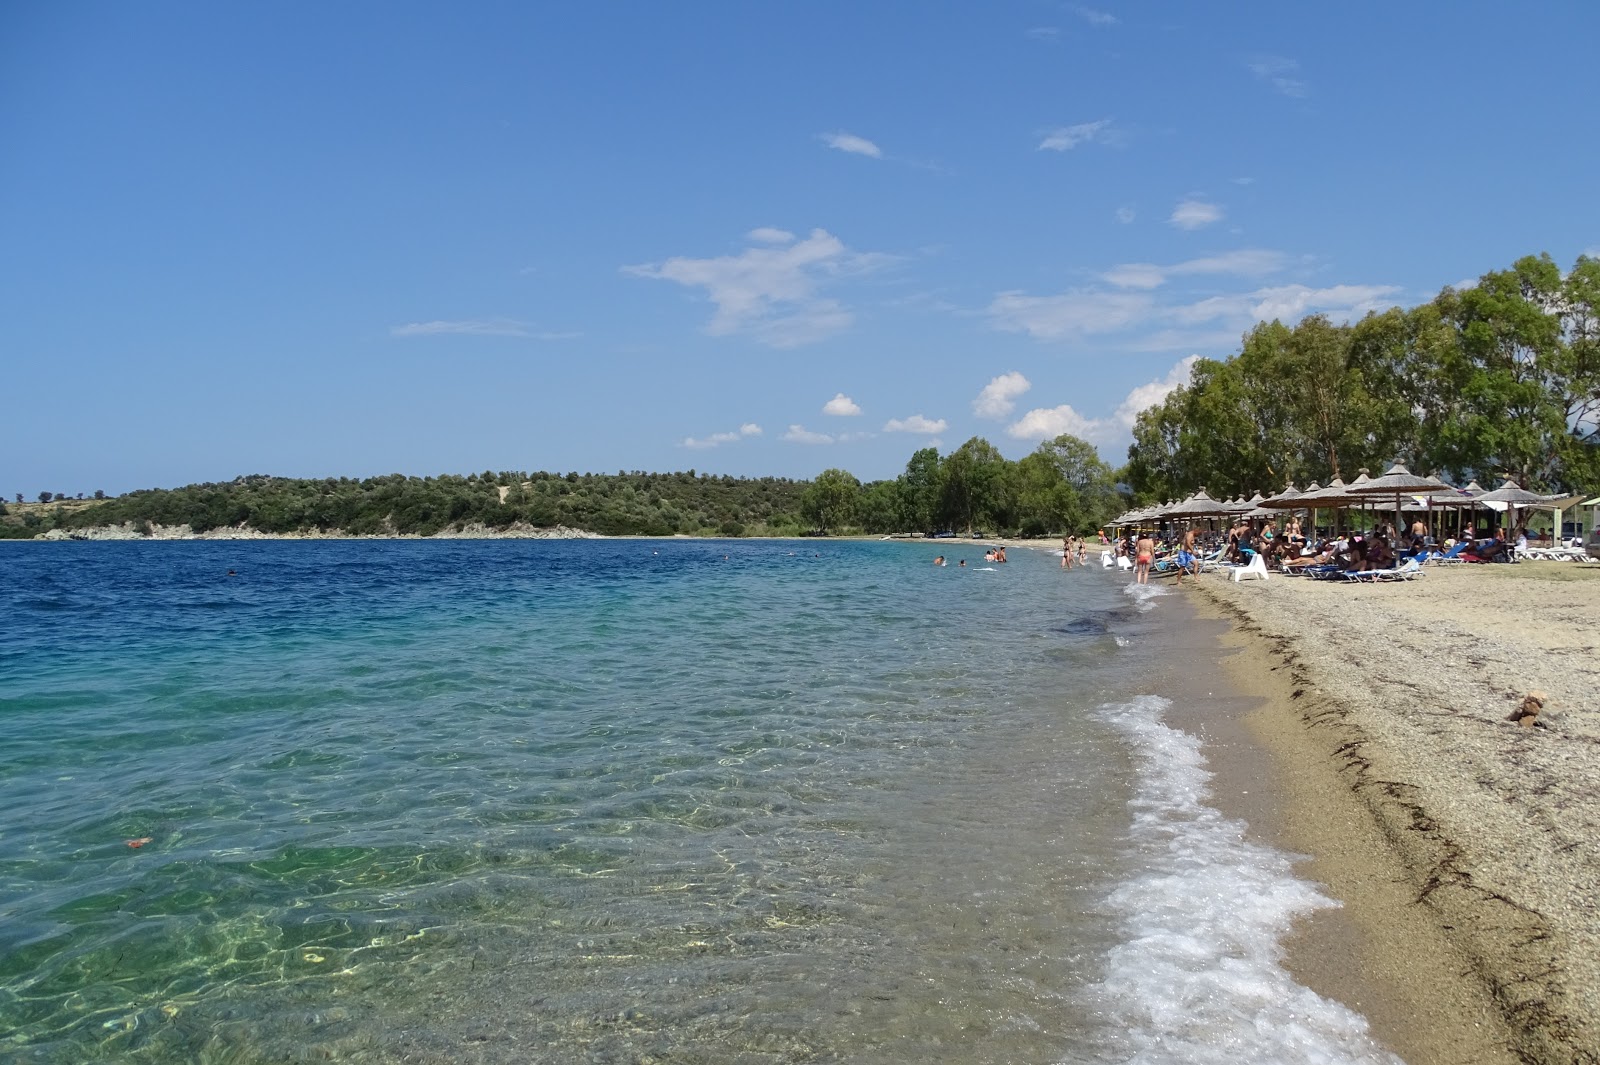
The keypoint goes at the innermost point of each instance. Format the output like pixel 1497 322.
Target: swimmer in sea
pixel 939 561
pixel 1144 553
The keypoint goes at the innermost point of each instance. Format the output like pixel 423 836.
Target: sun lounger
pixel 1410 570
pixel 1256 568
pixel 1453 555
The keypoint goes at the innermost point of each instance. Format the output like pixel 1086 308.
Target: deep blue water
pixel 528 801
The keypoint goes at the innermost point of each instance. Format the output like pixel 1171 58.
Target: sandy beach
pixel 1465 848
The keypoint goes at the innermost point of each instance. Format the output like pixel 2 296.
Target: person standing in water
pixel 1144 552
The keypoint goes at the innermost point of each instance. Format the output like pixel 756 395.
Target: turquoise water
pixel 632 801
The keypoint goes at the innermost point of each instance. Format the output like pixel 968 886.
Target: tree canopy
pixel 1500 379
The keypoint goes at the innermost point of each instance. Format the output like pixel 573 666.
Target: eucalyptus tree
pixel 830 502
pixel 974 487
pixel 919 491
pixel 1092 481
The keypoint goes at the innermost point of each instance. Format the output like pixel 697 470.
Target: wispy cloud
pixel 916 424
pixel 799 434
pixel 748 429
pixel 772 292
pixel 1126 215
pixel 1139 315
pixel 1281 73
pixel 478 327
pixel 849 142
pixel 999 396
pixel 1195 214
pixel 1066 138
pixel 1245 262
pixel 1050 34
pixel 841 406
pixel 1093 17
pixel 1076 313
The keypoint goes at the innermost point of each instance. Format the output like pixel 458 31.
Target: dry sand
pixel 1466 848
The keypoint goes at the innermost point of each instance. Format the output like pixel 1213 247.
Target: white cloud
pixel 1148 395
pixel 1093 17
pixel 1291 302
pixel 1246 262
pixel 1044 33
pixel 1465 283
pixel 1195 214
pixel 1125 215
pixel 998 397
pixel 841 406
pixel 799 434
pixel 1065 138
pixel 1243 180
pixel 771 292
pixel 710 441
pixel 1071 313
pixel 716 439
pixel 1278 71
pixel 916 424
pixel 769 235
pixel 849 142
pixel 476 327
pixel 1046 422
pixel 1136 275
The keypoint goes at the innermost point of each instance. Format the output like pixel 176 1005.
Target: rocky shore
pixel 1402 693
pixel 129 531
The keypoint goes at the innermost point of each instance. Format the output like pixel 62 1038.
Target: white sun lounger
pixel 1256 568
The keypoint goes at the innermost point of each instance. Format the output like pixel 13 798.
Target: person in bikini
pixel 1144 552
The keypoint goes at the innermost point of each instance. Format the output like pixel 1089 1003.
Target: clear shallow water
pixel 513 801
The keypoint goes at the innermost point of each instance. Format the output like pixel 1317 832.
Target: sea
pixel 618 800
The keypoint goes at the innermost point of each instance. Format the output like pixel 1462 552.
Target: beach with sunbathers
pixel 1436 748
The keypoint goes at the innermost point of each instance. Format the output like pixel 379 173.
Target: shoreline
pixel 1463 847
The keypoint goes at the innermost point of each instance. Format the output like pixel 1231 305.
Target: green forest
pixel 1063 484
pixel 1499 379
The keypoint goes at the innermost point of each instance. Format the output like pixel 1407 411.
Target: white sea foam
pixel 1122 641
pixel 1142 594
pixel 1199 977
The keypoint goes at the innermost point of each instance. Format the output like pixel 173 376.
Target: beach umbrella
pixel 1336 494
pixel 1199 505
pixel 1397 482
pixel 1283 500
pixel 1513 495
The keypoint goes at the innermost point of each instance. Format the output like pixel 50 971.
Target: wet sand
pixel 1465 848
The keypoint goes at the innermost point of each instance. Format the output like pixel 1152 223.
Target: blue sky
pixel 362 238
